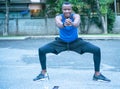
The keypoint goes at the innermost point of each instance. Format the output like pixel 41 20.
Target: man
pixel 68 40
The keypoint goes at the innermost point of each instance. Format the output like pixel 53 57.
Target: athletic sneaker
pixel 55 87
pixel 100 78
pixel 41 77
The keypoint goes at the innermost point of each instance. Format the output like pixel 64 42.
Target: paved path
pixel 19 65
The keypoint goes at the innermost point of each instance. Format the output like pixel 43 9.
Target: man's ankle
pixel 97 73
pixel 43 71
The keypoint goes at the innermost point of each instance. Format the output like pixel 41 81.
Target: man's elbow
pixel 76 24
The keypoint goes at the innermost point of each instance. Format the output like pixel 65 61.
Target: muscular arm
pixel 68 22
pixel 76 20
pixel 58 21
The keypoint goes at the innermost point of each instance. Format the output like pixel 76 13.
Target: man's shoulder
pixel 59 16
pixel 75 14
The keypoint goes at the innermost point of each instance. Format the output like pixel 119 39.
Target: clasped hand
pixel 68 22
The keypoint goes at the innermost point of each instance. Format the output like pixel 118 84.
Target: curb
pixel 14 38
pixel 87 37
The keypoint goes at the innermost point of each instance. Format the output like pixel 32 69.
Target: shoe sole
pixel 100 80
pixel 43 79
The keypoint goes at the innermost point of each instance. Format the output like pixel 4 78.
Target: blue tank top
pixel 68 33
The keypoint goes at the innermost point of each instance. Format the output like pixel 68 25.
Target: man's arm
pixel 58 21
pixel 75 23
pixel 76 20
pixel 68 22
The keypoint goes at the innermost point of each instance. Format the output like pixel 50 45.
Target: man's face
pixel 67 10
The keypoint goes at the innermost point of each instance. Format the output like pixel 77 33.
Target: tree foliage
pixel 91 8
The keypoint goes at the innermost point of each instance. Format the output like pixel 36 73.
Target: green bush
pixel 110 20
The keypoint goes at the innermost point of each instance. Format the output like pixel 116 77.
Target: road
pixel 19 58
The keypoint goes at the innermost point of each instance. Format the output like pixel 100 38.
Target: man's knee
pixel 97 50
pixel 41 51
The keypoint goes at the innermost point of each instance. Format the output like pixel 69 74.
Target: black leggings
pixel 80 46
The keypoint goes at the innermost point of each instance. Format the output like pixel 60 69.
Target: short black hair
pixel 66 3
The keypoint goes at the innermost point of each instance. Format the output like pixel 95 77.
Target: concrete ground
pixel 19 64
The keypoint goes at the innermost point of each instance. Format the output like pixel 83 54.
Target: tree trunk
pixel 5 32
pixel 105 32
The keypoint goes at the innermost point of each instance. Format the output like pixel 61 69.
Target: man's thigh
pixel 81 46
pixel 54 47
